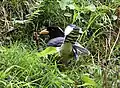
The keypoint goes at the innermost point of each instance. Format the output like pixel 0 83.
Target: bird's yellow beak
pixel 44 32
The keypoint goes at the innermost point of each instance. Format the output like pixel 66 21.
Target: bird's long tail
pixel 72 37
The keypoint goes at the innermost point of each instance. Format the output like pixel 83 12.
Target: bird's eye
pixel 52 29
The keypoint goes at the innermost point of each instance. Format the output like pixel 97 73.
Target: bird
pixel 56 35
pixel 53 32
pixel 66 42
pixel 70 46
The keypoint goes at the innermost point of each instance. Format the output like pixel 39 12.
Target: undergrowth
pixel 20 67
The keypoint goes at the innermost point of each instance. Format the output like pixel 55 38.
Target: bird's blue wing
pixel 75 53
pixel 80 49
pixel 56 42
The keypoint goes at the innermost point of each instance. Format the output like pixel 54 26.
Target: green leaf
pixel 114 17
pixel 64 3
pixel 88 80
pixel 68 14
pixel 48 50
pixel 70 80
pixel 19 21
pixel 71 6
pixel 11 67
pixel 103 7
pixel 91 7
pixel 85 84
pixel 75 17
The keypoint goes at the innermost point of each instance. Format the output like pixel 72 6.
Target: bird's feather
pixel 56 42
pixel 80 49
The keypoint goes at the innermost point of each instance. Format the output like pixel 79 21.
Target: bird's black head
pixel 53 32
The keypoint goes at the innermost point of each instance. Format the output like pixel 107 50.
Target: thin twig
pixel 114 44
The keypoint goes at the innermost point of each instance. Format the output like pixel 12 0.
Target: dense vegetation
pixel 20 67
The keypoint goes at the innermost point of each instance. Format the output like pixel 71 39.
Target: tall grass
pixel 20 67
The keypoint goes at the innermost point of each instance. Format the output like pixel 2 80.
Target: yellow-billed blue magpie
pixel 66 42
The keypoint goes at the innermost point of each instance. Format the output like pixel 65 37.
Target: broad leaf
pixel 68 14
pixel 64 3
pixel 71 6
pixel 48 50
pixel 88 80
pixel 91 7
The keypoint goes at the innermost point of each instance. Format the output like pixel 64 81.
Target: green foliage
pixel 64 3
pixel 88 80
pixel 47 51
pixel 21 67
